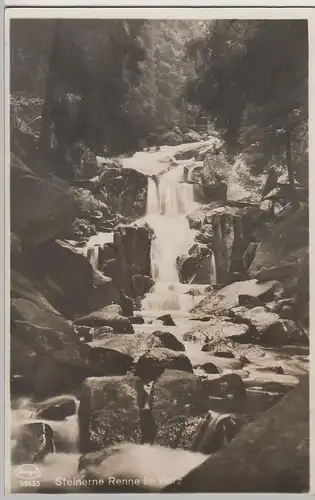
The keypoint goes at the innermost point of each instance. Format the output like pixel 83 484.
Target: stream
pixel 169 201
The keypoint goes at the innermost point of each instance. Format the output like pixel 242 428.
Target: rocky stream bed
pixel 163 335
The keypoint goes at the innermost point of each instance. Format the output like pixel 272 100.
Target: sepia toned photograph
pixel 159 254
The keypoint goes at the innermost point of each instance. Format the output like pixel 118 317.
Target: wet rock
pixel 41 209
pixel 69 271
pixel 133 244
pixel 210 368
pixel 109 412
pixel 111 268
pixel 85 333
pixel 217 328
pixel 243 186
pixel 107 360
pixel 249 255
pixel 277 440
pixel 191 136
pixel 137 468
pixel 271 382
pixel 119 323
pixel 167 320
pixel 132 346
pixel 136 320
pixel 152 364
pixel 224 354
pixel 175 396
pixel 101 332
pixel 221 301
pixel 23 288
pixel 142 284
pixel 169 341
pixel 107 252
pixel 32 443
pixel 213 179
pixel 24 362
pixel 227 384
pixel 57 408
pixel 216 430
pixel 198 267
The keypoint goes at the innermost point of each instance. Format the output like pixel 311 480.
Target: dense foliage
pixel 252 79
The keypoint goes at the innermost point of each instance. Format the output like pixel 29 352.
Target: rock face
pixel 130 346
pixel 109 412
pixel 197 268
pixel 270 455
pixel 218 328
pixel 212 179
pixel 279 253
pixel 243 186
pixel 124 190
pixel 176 394
pixel 65 274
pixel 40 209
pixel 133 244
pixel 221 301
pixel 169 341
pixel 232 231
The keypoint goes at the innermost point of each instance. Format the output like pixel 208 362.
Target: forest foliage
pixel 132 78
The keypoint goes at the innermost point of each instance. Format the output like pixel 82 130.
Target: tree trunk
pixel 289 167
pixel 51 85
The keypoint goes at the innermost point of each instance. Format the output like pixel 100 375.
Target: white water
pixel 169 201
pixel 167 207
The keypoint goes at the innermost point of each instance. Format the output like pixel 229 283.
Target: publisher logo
pixel 27 472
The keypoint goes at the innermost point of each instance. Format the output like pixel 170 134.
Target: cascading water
pixel 168 203
pixel 91 250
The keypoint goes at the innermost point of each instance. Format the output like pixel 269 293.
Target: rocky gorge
pixel 159 323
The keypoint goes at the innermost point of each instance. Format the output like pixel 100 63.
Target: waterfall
pixel 169 201
pixel 213 272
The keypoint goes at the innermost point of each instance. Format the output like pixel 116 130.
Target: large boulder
pixel 218 328
pixel 68 272
pixel 175 396
pixel 124 190
pixel 270 455
pixel 244 186
pixel 133 245
pixel 131 347
pixel 109 411
pixel 40 208
pixel 103 317
pixel 198 267
pixel 232 231
pixel 191 136
pixel 221 301
pixel 153 363
pixel 169 341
